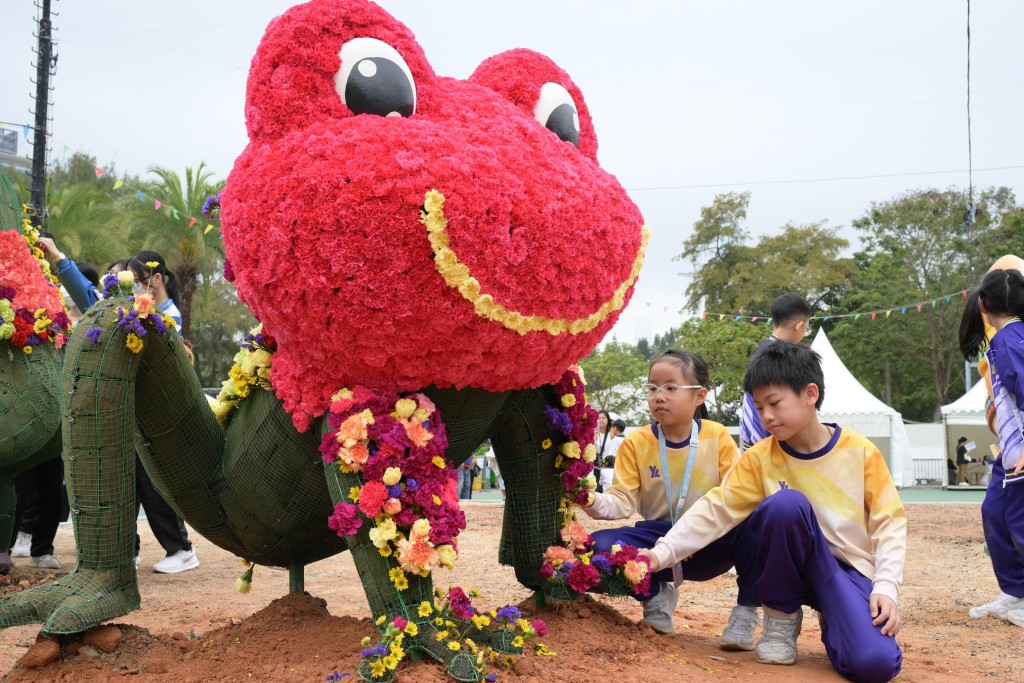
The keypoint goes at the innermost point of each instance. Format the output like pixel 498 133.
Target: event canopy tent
pixel 852 406
pixel 966 417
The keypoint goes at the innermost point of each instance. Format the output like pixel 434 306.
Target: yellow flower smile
pixel 456 274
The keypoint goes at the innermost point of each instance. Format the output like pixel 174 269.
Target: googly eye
pixel 556 111
pixel 374 79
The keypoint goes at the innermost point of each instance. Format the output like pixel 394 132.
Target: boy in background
pixel 791 317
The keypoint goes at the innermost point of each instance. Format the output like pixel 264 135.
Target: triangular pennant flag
pixel 856 317
pixel 737 318
pixel 156 204
pixel 191 221
pixel 948 298
pixel 25 129
pixel 964 293
pixel 888 313
pixel 933 303
pixel 873 314
pixel 919 308
pixel 754 319
pixel 66 149
pixel 704 314
pixel 174 212
pixel 208 229
pixel 99 171
pixel 825 319
pixel 118 183
pixel 140 196
pixel 903 311
pixel 721 316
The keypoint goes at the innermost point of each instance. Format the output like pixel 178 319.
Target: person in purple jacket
pixel 791 317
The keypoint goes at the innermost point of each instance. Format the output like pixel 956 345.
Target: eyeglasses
pixel 670 390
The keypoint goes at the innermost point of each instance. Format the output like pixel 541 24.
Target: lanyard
pixel 676 511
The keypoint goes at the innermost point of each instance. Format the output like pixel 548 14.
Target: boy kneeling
pixel 826 525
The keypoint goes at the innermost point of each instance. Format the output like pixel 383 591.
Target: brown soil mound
pixel 193 626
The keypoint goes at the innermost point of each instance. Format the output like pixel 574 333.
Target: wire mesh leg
pixel 533 488
pixel 99 466
pixel 29 393
pixel 8 500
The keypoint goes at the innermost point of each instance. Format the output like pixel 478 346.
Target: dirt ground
pixel 194 627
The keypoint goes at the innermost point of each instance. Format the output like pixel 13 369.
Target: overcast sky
pixel 794 101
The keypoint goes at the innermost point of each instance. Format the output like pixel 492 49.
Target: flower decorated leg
pixel 386 600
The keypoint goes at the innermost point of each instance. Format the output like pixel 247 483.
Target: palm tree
pixel 191 252
pixel 87 224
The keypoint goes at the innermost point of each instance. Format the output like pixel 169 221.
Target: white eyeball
pixel 374 79
pixel 556 111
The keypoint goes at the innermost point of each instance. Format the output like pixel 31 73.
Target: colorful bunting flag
pixel 141 197
pixel 25 129
pixel 208 229
pixel 191 221
pixel 919 308
pixel 873 314
pixel 174 212
pixel 156 204
pixel 903 311
pixel 118 183
pixel 99 171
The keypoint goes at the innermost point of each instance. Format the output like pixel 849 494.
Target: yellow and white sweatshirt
pixel 638 485
pixel 848 485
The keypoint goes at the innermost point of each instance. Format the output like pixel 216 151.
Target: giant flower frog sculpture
pixel 427 257
pixel 33 327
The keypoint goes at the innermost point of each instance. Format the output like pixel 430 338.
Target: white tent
pixel 848 403
pixel 965 417
pixel 969 409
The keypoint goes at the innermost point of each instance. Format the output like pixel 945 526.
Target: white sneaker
pixel 1003 603
pixel 739 633
pixel 181 561
pixel 778 640
pixel 138 562
pixel 659 609
pixel 1016 617
pixel 44 562
pixel 22 545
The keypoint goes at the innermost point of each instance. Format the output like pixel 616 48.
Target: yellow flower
pixel 125 277
pixel 446 556
pixel 353 494
pixel 559 460
pixel 27 349
pixel 570 449
pixel 381 619
pixel 401 583
pixel 377 669
pixel 545 444
pixel 391 476
pixel 440 635
pixel 412 629
pixel 439 622
pixel 133 343
pixel 341 393
pixel 568 400
pixel 616 548
pixel 243 586
pixel 508 661
pixel 152 264
pixel 405 407
pixel 365 641
pixel 390 661
pixel 439 461
pixel 517 641
pixel 426 609
pixel 589 453
pixel 385 551
pixel 454 646
pixel 481 620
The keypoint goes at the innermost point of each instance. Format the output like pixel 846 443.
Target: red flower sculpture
pixel 520 264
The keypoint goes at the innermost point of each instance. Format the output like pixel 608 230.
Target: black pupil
pixel 387 90
pixel 561 123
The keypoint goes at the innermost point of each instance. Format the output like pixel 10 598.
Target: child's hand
pixel 884 610
pixel 644 552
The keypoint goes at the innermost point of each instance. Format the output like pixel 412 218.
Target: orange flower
pixel 417 433
pixel 144 304
pixel 416 554
pixel 575 535
pixel 557 554
pixel 635 571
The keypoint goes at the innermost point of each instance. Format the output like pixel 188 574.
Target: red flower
pixel 461 607
pixel 372 497
pixel 539 627
pixel 583 577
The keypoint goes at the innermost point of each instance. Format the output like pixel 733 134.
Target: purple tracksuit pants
pixel 783 562
pixel 1002 515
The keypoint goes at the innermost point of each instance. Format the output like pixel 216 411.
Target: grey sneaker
pixel 778 640
pixel 44 562
pixel 22 546
pixel 181 561
pixel 1015 617
pixel 658 610
pixel 739 633
pixel 999 607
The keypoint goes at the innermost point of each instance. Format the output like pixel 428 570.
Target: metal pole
pixel 43 67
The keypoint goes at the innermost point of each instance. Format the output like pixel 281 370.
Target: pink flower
pixel 576 536
pixel 392 506
pixel 539 627
pixel 558 554
pixel 345 520
pixel 547 570
pixel 460 604
pixel 583 577
pixel 399 623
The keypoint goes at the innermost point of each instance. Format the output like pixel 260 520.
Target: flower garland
pixel 575 565
pixel 396 446
pixel 31 309
pixel 141 318
pixel 251 368
pixel 454 620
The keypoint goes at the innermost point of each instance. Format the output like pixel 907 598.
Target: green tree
pixel 192 253
pixel 737 278
pixel 615 377
pixel 219 324
pixel 915 250
pixel 726 344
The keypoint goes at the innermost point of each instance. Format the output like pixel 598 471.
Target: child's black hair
pixel 789 307
pixel 1002 293
pixel 786 364
pixel 693 367
pixel 619 424
pixel 89 271
pixel 137 264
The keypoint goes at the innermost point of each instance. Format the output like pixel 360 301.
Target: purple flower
pixel 395 490
pixel 94 334
pixel 158 324
pixel 558 420
pixel 211 205
pixel 411 484
pixel 7 293
pixel 602 563
pixel 380 650
pixel 510 613
pixel 490 678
